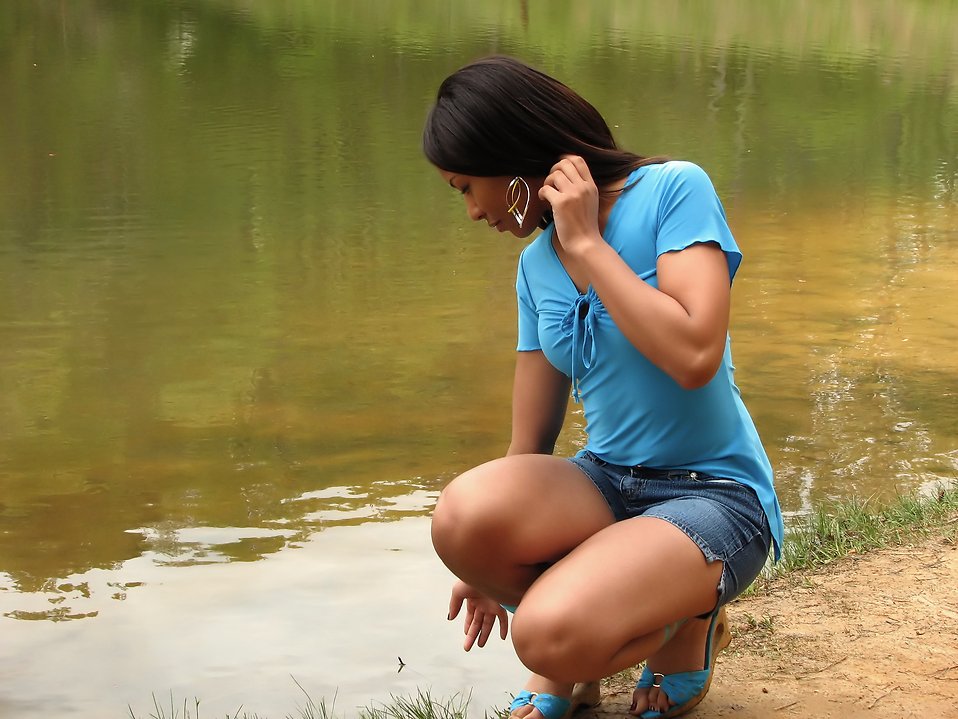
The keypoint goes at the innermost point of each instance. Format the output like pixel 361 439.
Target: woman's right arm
pixel 540 395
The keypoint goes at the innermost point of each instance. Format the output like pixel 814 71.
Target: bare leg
pixel 595 595
pixel 498 526
pixel 644 572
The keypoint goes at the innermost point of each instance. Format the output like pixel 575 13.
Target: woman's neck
pixel 608 195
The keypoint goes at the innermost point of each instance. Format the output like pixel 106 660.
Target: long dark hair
pixel 498 116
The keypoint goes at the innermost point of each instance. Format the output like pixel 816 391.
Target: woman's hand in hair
pixel 574 197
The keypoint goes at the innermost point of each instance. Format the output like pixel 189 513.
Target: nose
pixel 472 209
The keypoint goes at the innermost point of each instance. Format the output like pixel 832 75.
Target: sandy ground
pixel 871 636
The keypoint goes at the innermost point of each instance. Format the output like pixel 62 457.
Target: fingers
pixel 479 626
pixel 562 177
pixel 571 167
pixel 488 620
pixel 549 194
pixel 477 629
pixel 480 617
pixel 581 166
pixel 558 185
pixel 470 618
pixel 455 604
pixel 473 629
pixel 569 176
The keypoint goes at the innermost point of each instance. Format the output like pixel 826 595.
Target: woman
pixel 627 551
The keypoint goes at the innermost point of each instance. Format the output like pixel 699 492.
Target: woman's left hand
pixel 481 614
pixel 574 197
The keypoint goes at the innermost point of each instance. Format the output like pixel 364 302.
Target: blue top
pixel 635 413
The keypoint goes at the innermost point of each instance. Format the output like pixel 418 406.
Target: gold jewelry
pixel 514 197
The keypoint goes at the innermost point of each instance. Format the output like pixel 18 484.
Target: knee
pixel 463 518
pixel 550 641
pixel 446 528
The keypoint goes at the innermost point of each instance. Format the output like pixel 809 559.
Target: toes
pixel 640 701
pixel 525 712
pixel 658 700
pixel 645 700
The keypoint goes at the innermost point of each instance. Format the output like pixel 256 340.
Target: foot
pixel 685 652
pixel 578 695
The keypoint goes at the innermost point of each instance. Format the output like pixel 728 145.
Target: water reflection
pixel 333 615
pixel 236 308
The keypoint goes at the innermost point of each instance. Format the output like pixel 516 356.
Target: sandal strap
pixel 679 687
pixel 684 687
pixel 551 706
pixel 646 679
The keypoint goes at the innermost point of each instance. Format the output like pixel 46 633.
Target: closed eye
pixel 462 190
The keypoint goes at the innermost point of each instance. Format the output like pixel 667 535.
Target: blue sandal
pixel 554 707
pixel 687 689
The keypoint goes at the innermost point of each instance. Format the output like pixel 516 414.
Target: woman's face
pixel 486 200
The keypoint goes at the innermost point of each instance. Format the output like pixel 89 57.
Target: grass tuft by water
pixel 857 526
pixel 177 711
pixel 421 706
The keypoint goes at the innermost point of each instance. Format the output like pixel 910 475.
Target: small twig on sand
pixel 870 706
pixel 786 706
pixel 944 670
pixel 819 671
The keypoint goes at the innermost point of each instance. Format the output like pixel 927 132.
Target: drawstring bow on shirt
pixel 579 323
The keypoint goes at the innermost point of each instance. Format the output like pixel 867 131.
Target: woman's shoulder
pixel 670 170
pixel 667 182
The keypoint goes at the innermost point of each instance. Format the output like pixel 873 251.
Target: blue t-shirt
pixel 635 413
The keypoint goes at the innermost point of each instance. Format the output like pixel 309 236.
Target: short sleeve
pixel 690 212
pixel 528 317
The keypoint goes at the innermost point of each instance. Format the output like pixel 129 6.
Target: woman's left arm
pixel 681 326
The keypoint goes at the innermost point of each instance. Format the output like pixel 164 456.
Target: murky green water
pixel 244 327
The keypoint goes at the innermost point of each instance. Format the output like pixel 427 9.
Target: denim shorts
pixel 722 516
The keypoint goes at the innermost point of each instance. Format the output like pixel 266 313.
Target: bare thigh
pixel 500 524
pixel 643 572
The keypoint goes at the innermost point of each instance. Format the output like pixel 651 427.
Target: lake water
pixel 247 334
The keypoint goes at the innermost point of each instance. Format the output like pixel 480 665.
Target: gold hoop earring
pixel 514 197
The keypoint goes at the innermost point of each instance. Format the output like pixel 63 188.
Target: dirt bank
pixel 872 636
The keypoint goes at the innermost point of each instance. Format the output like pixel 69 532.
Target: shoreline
pixel 859 619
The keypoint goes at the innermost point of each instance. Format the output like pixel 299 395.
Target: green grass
pixel 421 706
pixel 840 529
pixel 857 526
